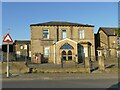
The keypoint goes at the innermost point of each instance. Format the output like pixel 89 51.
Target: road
pixel 60 80
pixel 77 83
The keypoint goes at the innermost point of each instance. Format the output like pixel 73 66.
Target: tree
pixel 117 31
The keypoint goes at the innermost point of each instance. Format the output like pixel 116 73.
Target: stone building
pixel 22 49
pixel 57 41
pixel 107 39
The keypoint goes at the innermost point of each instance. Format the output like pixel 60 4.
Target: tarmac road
pixel 94 80
pixel 81 83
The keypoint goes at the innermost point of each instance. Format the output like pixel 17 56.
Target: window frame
pixel 62 33
pixel 47 33
pixel 46 48
pixel 81 34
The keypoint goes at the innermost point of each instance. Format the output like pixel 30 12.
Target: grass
pixel 19 67
pixel 111 70
pixel 64 70
pixel 15 67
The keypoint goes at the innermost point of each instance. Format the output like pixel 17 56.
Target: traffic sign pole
pixel 7 39
pixel 8 60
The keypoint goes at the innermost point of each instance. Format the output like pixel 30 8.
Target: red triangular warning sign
pixel 7 38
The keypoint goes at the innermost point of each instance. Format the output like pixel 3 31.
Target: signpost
pixel 7 40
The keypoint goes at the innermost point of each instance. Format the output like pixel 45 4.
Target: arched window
pixel 66 46
pixel 69 52
pixel 63 55
pixel 69 55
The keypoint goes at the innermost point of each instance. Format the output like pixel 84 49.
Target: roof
pixel 58 23
pixel 22 42
pixel 108 31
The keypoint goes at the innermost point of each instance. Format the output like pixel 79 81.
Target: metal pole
pixel 61 62
pixel 8 60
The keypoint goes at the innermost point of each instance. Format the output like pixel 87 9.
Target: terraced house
pixel 107 39
pixel 55 41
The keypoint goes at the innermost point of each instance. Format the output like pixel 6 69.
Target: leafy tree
pixel 117 31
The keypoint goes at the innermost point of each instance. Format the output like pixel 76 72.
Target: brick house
pixel 57 41
pixel 107 39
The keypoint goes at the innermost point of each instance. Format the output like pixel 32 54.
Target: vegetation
pixel 117 31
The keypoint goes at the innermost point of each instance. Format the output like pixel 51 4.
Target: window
pixel 81 34
pixel 29 53
pixel 21 47
pixel 64 34
pixel 69 55
pixel 63 55
pixel 66 46
pixel 18 54
pixel 46 52
pixel 25 47
pixel 45 34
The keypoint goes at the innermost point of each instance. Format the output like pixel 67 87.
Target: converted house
pixel 107 39
pixel 55 41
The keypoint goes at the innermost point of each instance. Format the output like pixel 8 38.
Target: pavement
pixel 61 76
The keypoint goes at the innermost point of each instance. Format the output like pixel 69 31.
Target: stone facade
pixel 22 49
pixel 107 39
pixel 72 47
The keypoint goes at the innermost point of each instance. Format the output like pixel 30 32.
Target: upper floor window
pixel 81 34
pixel 21 47
pixel 45 34
pixel 64 34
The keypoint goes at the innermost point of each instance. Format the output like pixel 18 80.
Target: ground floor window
pixel 63 55
pixel 69 55
pixel 46 52
pixel 66 55
pixel 18 54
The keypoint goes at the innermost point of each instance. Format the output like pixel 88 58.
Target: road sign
pixel 7 38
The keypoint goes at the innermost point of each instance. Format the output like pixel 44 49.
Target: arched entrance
pixel 67 52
